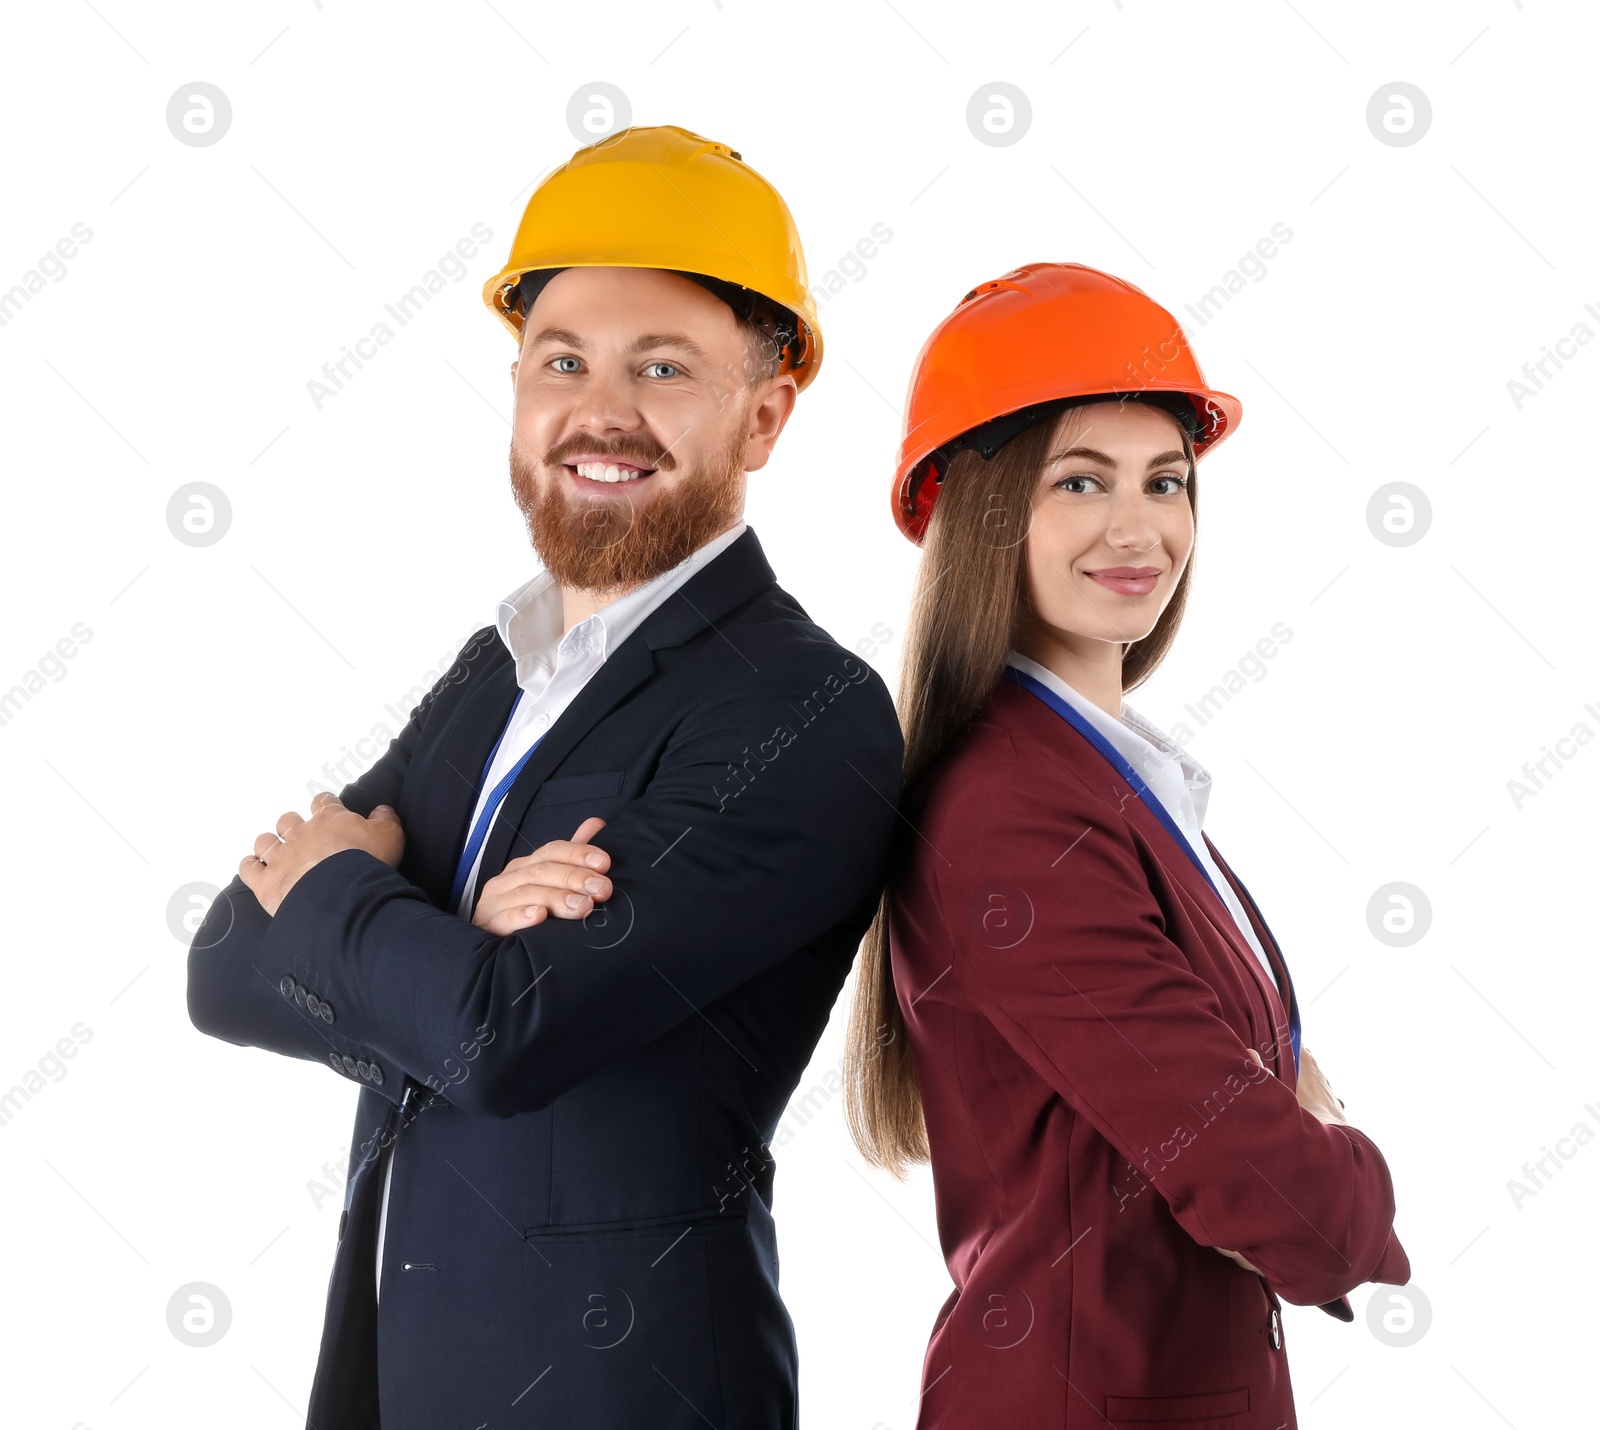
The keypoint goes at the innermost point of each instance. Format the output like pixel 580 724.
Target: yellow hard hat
pixel 662 197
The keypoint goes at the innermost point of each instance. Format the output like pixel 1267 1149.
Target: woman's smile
pixel 1127 580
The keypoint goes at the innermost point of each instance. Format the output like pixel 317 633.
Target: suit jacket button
pixel 338 1063
pixel 286 986
pixel 1276 1331
pixel 300 995
pixel 349 1064
pixel 363 1069
pixel 325 1011
pixel 313 1004
pixel 377 1075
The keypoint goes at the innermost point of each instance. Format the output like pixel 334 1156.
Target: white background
pixel 370 537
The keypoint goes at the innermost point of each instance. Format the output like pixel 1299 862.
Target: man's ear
pixel 773 402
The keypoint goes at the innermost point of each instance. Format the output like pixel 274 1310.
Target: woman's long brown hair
pixel 967 609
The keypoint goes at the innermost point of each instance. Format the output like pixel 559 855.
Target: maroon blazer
pixel 1078 1003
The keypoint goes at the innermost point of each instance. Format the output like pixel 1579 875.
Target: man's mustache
pixel 629 449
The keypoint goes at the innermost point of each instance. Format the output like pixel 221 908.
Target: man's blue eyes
pixel 571 364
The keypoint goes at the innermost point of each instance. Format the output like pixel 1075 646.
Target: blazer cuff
pixel 1340 1309
pixel 296 927
pixel 1394 1266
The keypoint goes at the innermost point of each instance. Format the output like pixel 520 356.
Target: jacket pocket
pixel 570 788
pixel 1177 1409
pixel 673 1225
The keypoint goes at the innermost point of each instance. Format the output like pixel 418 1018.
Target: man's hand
pixel 564 879
pixel 280 859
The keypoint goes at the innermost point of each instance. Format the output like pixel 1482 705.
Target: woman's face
pixel 1112 527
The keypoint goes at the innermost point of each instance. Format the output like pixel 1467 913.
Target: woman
pixel 1068 998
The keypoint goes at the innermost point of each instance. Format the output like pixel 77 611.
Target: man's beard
pixel 608 543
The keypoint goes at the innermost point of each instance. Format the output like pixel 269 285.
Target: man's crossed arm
pixel 712 882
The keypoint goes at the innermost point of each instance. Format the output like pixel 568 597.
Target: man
pixel 578 930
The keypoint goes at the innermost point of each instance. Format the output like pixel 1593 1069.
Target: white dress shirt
pixel 1177 779
pixel 552 668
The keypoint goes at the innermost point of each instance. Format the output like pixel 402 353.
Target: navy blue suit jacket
pixel 579 1227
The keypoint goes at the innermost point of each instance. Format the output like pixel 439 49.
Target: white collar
pixel 529 618
pixel 1145 746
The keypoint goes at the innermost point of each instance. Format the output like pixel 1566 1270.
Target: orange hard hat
pixel 1034 336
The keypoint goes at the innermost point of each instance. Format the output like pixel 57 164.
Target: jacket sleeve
pixel 1065 951
pixel 760 830
pixel 237 994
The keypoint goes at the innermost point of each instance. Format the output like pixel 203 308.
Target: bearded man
pixel 577 932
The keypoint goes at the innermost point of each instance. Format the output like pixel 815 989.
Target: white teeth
pixel 601 472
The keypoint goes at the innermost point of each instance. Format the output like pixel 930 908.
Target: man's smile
pixel 608 469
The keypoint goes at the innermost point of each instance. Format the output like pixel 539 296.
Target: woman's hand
pixel 564 879
pixel 1234 1256
pixel 1313 1090
pixel 1315 1093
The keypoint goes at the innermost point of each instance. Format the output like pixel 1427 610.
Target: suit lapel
pixel 617 678
pixel 1280 967
pixel 453 787
pixel 725 583
pixel 1162 832
pixel 1268 942
pixel 1181 869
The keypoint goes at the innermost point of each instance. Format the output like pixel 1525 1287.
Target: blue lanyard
pixel 490 807
pixel 1152 803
